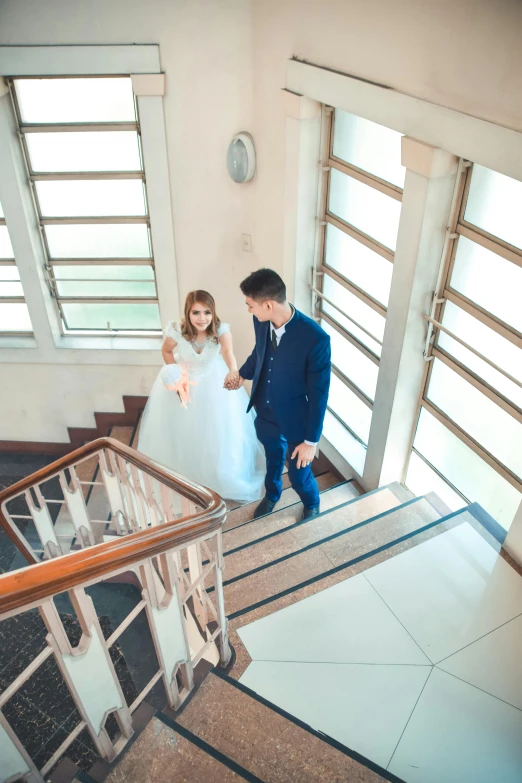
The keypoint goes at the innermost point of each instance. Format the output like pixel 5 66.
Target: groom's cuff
pixel 309 443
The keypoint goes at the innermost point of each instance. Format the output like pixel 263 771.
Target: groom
pixel 290 370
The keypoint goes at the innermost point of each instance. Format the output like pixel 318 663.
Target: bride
pixel 211 441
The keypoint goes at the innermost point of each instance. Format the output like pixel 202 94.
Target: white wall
pixel 205 48
pixel 225 62
pixel 46 399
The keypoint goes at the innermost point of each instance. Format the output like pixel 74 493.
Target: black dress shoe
pixel 265 507
pixel 308 513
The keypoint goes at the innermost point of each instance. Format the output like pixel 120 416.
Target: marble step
pixel 256 584
pixel 293 535
pixel 242 514
pixel 279 520
pixel 162 754
pixel 265 741
pixel 390 546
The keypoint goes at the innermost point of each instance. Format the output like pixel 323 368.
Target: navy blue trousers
pixel 276 447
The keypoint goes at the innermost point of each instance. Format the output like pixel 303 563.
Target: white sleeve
pixel 223 329
pixel 173 330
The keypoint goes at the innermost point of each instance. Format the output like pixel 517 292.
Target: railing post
pixel 88 672
pixel 16 763
pixel 225 653
pixel 167 625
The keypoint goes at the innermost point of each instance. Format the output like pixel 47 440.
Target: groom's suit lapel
pixel 264 329
pixel 286 345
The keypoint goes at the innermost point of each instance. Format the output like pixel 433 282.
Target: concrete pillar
pixel 302 170
pixel 428 188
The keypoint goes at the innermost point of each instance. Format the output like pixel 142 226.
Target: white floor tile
pixel 347 623
pixel 493 663
pixel 458 734
pixel 364 707
pixel 449 591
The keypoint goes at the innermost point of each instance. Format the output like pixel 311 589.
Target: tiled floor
pixel 414 663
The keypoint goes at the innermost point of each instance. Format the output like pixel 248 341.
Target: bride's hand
pixel 233 381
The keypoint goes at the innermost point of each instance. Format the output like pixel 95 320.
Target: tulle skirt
pixel 213 441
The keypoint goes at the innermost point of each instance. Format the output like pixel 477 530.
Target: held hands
pixel 305 454
pixel 233 381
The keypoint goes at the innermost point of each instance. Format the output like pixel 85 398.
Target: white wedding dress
pixel 213 441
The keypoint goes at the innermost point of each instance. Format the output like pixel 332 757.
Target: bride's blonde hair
pixel 187 329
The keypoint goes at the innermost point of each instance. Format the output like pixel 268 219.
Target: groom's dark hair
pixel 264 284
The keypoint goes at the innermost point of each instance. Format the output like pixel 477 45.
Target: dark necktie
pixel 274 340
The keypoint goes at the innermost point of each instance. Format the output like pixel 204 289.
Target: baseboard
pixel 80 435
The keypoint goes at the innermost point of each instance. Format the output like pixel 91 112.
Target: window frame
pixel 37 176
pixel 322 269
pixel 9 262
pixel 459 227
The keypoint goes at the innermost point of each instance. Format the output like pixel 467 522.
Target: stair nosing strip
pixel 210 750
pixel 333 743
pixel 315 544
pixel 310 519
pixel 341 567
pixel 290 505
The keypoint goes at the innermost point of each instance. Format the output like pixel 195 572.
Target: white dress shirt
pixel 279 332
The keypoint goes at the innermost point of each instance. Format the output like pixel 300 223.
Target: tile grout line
pixel 447 657
pixel 471 685
pixel 338 663
pixel 409 719
pixel 430 662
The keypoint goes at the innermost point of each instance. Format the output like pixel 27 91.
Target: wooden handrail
pixel 29 586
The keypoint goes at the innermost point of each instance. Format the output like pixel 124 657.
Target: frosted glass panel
pixel 98 241
pixel 368 146
pixel 76 100
pixel 494 204
pixel 103 272
pixel 9 288
pixel 487 423
pixel 363 267
pixel 15 318
pixel 365 208
pixel 91 198
pixel 343 441
pixel 354 307
pixel 349 408
pixel 500 351
pixel 422 479
pixel 106 288
pixel 489 280
pixel 103 151
pixel 6 248
pixel 466 470
pixel 352 363
pixel 120 316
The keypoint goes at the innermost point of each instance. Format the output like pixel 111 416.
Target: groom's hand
pixel 233 381
pixel 305 454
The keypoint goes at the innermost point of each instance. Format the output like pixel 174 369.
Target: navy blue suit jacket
pixel 301 376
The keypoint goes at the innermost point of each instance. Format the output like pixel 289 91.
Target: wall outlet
pixel 246 243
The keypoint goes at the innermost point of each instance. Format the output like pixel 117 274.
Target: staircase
pixel 227 728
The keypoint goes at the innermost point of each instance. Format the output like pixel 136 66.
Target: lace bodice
pixel 196 364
